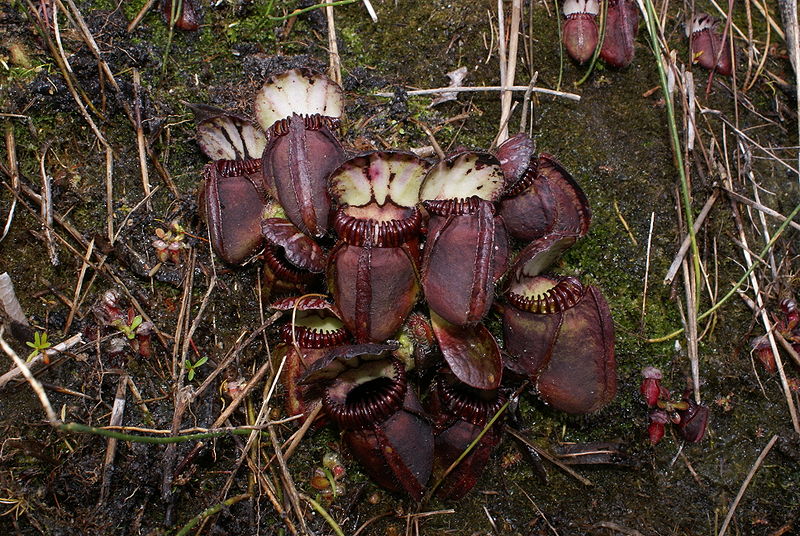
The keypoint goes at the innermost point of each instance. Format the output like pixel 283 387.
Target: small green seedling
pixel 191 367
pixel 39 344
pixel 129 330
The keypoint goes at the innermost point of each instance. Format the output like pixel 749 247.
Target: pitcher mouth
pixel 366 396
pixel 546 294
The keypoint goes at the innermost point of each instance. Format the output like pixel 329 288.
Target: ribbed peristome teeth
pixel 700 22
pixel 227 137
pixel 299 91
pixel 571 7
pixel 462 176
pixel 545 294
pixel 379 177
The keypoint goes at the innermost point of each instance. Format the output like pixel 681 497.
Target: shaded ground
pixel 615 141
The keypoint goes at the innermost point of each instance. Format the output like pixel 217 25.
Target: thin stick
pixel 13 169
pixel 502 57
pixel 109 193
pixel 746 483
pixel 544 454
pixel 733 127
pixel 370 10
pixel 647 267
pixel 139 16
pixel 335 68
pixel 763 312
pixel 758 206
pixel 147 417
pixel 435 144
pixel 526 104
pixel 78 287
pixel 691 324
pixel 210 512
pixel 286 477
pixel 301 432
pixel 324 513
pixel 65 71
pixel 35 385
pixel 117 413
pixel 50 352
pixel 47 208
pixel 140 143
pixel 478 89
pixel 789 17
pixel 660 50
pixel 511 69
pixel 676 262
pixel 627 227
pixel 136 207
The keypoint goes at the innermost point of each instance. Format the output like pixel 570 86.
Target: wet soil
pixel 615 142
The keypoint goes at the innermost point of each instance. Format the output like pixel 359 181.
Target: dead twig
pixel 46 208
pixel 50 352
pixel 647 268
pixel 507 77
pixel 140 143
pixel 117 413
pixel 546 455
pixel 78 287
pixel 13 171
pixel 480 89
pixel 746 483
pixel 758 206
pixel 687 241
pixel 335 62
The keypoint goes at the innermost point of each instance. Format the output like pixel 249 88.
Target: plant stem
pixel 311 8
pixel 210 511
pixel 653 31
pixel 741 281
pixel 324 513
pixel 84 429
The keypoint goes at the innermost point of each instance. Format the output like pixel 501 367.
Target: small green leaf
pixel 191 374
pixel 201 361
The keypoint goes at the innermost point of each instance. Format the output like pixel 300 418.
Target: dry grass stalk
pixel 140 143
pixel 507 77
pixel 13 172
pixel 117 413
pixel 140 15
pixel 690 290
pixel 701 217
pixel 50 352
pixel 480 89
pixel 647 269
pixel 370 10
pixel 763 312
pixel 335 62
pixel 109 192
pixel 527 106
pixel 761 208
pixel 743 488
pixel 546 455
pixel 47 208
pixel 78 286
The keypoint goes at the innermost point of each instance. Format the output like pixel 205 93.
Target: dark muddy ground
pixel 616 143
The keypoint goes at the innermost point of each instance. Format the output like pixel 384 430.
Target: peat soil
pixel 616 143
